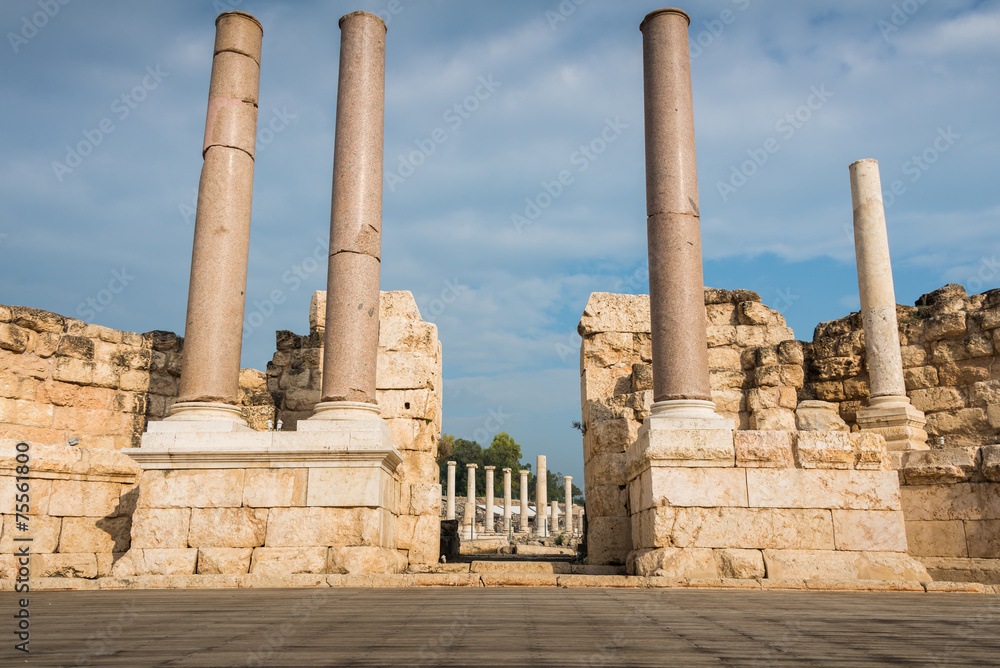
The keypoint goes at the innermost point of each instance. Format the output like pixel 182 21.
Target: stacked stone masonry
pixel 61 378
pixel 764 380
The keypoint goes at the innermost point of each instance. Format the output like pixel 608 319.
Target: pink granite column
pixel 213 329
pixel 676 286
pixel 352 298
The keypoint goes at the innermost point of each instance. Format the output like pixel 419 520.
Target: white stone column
pixel 889 411
pixel 489 498
pixel 554 518
pixel 451 490
pixel 522 524
pixel 470 500
pixel 506 500
pixel 541 495
pixel 568 480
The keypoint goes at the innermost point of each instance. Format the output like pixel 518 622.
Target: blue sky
pixel 821 84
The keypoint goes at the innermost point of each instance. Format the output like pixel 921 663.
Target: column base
pixel 684 432
pixel 896 420
pixel 202 416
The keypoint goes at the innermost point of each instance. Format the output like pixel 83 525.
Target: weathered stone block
pixel 740 564
pixel 43 530
pixel 606 500
pixel 227 527
pixel 819 416
pixel 609 540
pixel 937 399
pixel 26 413
pixel 674 563
pixel 425 499
pixel 878 530
pixel 160 528
pixel 947 326
pixel 926 467
pixel 82 498
pixel 920 377
pixel 224 560
pixel 824 450
pixel 268 488
pixel 349 487
pixel 958 501
pixel 681 486
pixel 156 562
pixel 80 565
pixel 983 538
pixel 311 527
pixel 773 419
pixel 353 560
pixel 763 449
pixel 752 528
pixel 936 538
pixel 823 488
pixel 191 488
pixel 89 534
pixel 840 565
pixel 289 560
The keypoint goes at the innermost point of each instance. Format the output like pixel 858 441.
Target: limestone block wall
pixel 756 370
pixel 62 378
pixel 951 501
pixel 783 505
pixel 409 392
pixel 80 504
pixel 949 345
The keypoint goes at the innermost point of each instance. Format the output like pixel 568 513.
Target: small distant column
pixel 568 480
pixel 522 523
pixel 213 330
pixel 541 495
pixel 489 498
pixel 506 500
pixel 554 518
pixel 470 499
pixel 451 491
pixel 889 411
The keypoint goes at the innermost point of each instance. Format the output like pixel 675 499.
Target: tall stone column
pixel 451 491
pixel 568 480
pixel 506 500
pixel 541 495
pixel 213 329
pixel 488 528
pixel 522 524
pixel 352 298
pixel 676 286
pixel 554 518
pixel 889 411
pixel 470 500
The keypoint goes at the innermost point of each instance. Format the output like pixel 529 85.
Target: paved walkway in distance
pixel 503 627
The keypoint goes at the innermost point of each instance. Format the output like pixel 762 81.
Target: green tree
pixel 504 452
pixel 462 452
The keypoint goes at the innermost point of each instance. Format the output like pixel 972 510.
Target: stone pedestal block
pixel 899 423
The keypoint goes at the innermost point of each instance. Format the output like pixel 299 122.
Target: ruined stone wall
pixel 949 345
pixel 756 371
pixel 409 392
pixel 951 502
pixel 62 378
pixel 80 505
